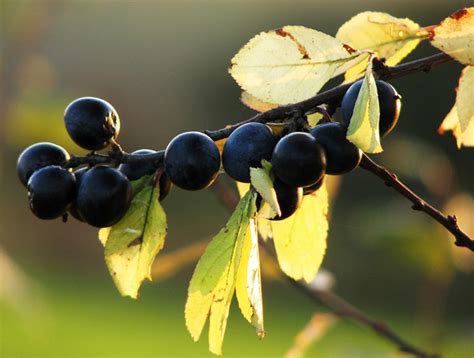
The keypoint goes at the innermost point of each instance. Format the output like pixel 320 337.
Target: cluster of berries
pixel 300 160
pixel 101 195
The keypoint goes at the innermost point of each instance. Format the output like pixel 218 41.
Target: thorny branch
pixel 331 97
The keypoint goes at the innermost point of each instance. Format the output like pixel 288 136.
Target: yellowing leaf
pixel 289 64
pixel 460 120
pixel 300 240
pixel 243 188
pixel 255 104
pixel 263 184
pixel 455 36
pixel 363 129
pixel 213 283
pixel 314 119
pixel 249 283
pixel 389 37
pixel 132 244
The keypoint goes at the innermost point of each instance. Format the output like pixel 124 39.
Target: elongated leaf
pixel 387 36
pixel 249 284
pixel 455 36
pixel 300 240
pixel 289 64
pixel 132 244
pixel 213 283
pixel 460 120
pixel 364 124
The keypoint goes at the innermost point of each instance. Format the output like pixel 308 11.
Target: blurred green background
pixel 163 65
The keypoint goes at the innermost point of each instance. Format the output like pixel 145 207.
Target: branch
pixel 335 303
pixel 334 95
pixel 391 180
pixel 331 97
pixel 344 309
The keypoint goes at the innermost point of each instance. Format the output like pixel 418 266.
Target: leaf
pixel 132 244
pixel 249 283
pixel 255 104
pixel 460 120
pixel 363 129
pixel 455 36
pixel 300 240
pixel 263 184
pixel 389 37
pixel 289 64
pixel 213 283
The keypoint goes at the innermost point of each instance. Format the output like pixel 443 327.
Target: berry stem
pixel 391 180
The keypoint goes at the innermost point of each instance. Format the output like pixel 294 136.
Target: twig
pixel 391 180
pixel 334 94
pixel 344 309
pixel 329 97
pixel 332 98
pixel 335 303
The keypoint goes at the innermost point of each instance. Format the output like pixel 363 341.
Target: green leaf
pixel 387 36
pixel 455 36
pixel 132 244
pixel 288 65
pixel 249 282
pixel 213 283
pixel 263 184
pixel 300 240
pixel 460 120
pixel 363 129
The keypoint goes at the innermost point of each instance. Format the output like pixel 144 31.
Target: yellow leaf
pixel 263 184
pixel 363 129
pixel 460 120
pixel 255 104
pixel 289 64
pixel 132 244
pixel 242 188
pixel 387 36
pixel 455 36
pixel 213 283
pixel 249 285
pixel 300 240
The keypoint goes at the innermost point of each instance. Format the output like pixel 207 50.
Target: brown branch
pixel 334 95
pixel 335 303
pixel 329 97
pixel 332 98
pixel 344 309
pixel 391 180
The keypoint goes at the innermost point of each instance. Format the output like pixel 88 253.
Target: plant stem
pixel 330 97
pixel 391 180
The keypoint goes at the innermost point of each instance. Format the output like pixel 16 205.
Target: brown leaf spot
pixel 459 14
pixel 303 51
pixel 349 49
